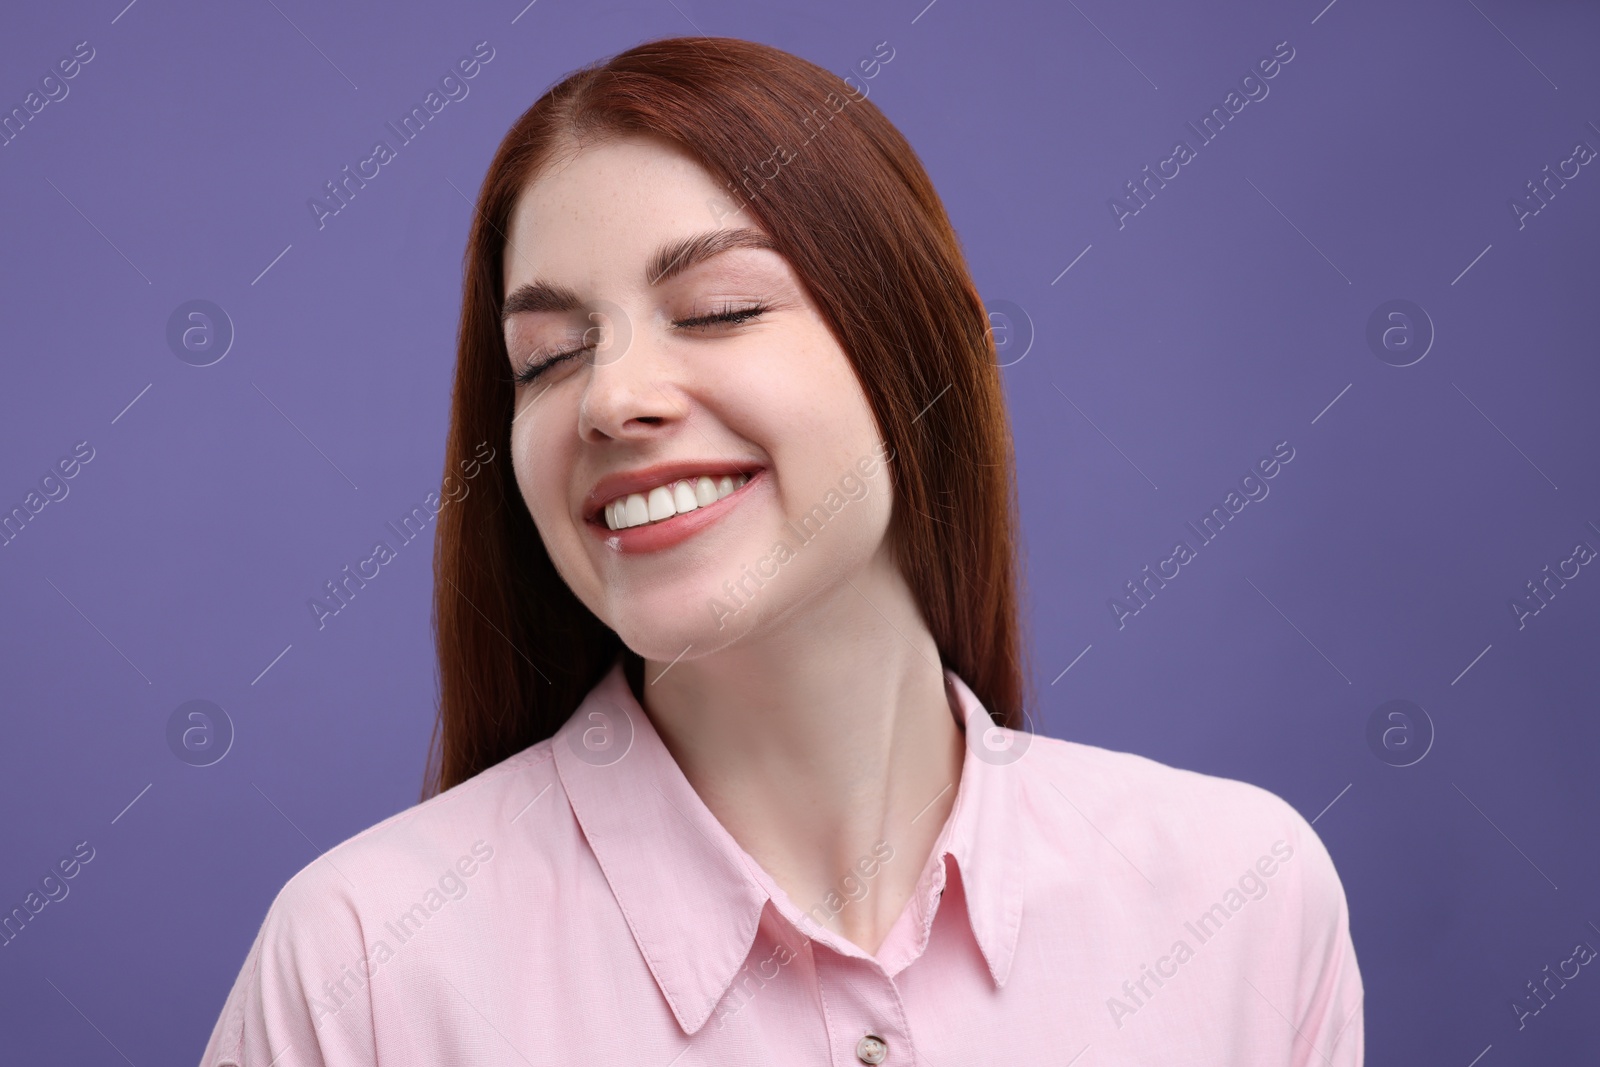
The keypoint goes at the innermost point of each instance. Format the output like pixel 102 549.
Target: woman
pixel 730 766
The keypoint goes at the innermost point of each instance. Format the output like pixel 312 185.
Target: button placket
pixel 862 1011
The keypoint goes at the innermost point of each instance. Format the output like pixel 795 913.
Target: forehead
pixel 602 208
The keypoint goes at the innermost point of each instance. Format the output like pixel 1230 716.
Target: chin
pixel 700 602
pixel 684 638
pixel 659 618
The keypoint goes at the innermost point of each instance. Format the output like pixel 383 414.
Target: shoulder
pixel 436 866
pixel 460 829
pixel 1139 790
pixel 1153 858
pixel 1180 829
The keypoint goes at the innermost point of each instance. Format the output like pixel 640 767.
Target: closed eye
pixel 728 315
pixel 733 315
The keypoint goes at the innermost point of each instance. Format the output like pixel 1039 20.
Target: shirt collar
pixel 693 898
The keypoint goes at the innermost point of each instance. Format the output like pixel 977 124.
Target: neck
pixel 823 745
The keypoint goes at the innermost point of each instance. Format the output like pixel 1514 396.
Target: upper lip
pixel 640 479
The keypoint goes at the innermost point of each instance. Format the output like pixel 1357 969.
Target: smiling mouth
pixel 667 501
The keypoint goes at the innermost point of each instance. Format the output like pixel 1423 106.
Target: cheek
pixel 800 399
pixel 818 431
pixel 540 466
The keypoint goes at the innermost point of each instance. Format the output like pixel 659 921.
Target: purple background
pixel 1226 316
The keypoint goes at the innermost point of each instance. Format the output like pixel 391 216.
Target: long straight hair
pixel 848 204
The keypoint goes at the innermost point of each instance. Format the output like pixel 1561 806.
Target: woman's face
pixel 626 450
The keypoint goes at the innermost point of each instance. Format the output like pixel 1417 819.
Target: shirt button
pixel 872 1049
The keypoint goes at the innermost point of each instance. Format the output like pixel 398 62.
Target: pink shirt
pixel 578 903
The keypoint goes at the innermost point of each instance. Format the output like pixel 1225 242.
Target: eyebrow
pixel 669 261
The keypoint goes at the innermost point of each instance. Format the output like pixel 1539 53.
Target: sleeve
pixel 1328 1006
pixel 302 998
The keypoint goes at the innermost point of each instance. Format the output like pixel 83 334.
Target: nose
pixel 628 393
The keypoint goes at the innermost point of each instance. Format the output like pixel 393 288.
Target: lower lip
pixel 654 536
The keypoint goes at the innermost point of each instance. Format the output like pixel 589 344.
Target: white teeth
pixel 683 498
pixel 665 501
pixel 661 506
